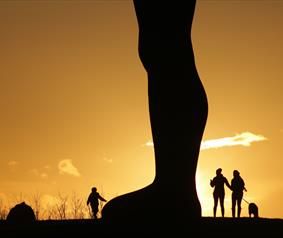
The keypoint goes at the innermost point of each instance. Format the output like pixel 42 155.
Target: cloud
pixel 44 175
pixel 107 160
pixel 243 139
pixel 36 173
pixel 66 167
pixel 48 167
pixel 13 163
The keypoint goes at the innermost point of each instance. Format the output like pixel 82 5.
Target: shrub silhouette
pixel 21 213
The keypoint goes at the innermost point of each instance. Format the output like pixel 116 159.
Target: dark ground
pixel 206 227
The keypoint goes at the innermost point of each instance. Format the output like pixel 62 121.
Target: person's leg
pixel 233 205
pixel 239 201
pixel 215 197
pixel 222 205
pixel 178 112
pixel 95 211
pixel 92 213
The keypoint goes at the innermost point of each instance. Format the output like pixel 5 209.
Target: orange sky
pixel 73 97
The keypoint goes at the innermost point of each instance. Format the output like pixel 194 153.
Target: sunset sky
pixel 74 110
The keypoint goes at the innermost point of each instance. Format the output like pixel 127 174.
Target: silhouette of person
pixel 237 187
pixel 218 183
pixel 93 200
pixel 178 111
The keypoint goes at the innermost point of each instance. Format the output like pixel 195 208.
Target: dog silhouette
pixel 253 210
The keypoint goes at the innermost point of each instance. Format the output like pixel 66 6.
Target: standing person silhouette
pixel 178 112
pixel 93 200
pixel 237 186
pixel 218 183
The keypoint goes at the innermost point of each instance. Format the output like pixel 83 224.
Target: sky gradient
pixel 73 99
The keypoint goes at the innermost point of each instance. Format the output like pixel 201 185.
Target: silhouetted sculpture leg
pixel 178 112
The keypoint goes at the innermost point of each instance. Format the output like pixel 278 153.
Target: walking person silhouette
pixel 218 183
pixel 93 201
pixel 178 112
pixel 238 188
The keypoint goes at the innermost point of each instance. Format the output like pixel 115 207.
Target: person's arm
pixel 88 200
pixel 227 184
pixel 101 198
pixel 212 182
pixel 244 186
